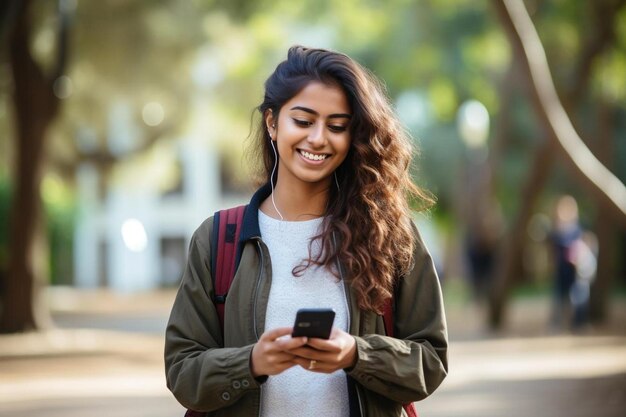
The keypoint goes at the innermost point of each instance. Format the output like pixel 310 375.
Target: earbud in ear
pixel 270 133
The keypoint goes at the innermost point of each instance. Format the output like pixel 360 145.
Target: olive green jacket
pixel 210 372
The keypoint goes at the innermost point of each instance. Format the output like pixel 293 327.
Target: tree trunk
pixel 506 268
pixel 35 106
pixel 604 228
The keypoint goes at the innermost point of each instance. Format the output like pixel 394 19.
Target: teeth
pixel 312 156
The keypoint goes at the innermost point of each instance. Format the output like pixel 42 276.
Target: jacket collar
pixel 250 228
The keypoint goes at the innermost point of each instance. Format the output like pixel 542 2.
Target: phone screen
pixel 314 322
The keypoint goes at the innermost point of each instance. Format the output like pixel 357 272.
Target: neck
pixel 297 203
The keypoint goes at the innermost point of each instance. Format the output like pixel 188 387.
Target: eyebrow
pixel 332 116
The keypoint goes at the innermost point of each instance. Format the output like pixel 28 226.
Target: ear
pixel 270 123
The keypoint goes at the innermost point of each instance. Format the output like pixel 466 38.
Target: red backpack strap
pixel 225 247
pixel 224 257
pixel 410 408
pixel 388 317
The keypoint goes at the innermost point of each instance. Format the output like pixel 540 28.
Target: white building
pixel 133 236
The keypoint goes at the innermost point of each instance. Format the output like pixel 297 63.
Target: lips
pixel 313 156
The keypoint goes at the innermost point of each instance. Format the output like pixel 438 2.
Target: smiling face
pixel 312 135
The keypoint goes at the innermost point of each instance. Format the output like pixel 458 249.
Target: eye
pixel 302 123
pixel 337 129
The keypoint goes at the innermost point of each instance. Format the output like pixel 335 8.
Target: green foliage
pixel 60 214
pixel 61 239
pixel 611 81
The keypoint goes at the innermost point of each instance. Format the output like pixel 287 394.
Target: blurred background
pixel 123 126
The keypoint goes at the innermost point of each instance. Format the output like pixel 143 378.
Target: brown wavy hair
pixel 367 227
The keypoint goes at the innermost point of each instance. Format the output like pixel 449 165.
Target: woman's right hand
pixel 270 354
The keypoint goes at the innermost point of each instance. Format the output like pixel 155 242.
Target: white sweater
pixel 298 391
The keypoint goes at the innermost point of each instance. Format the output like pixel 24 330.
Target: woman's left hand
pixel 327 356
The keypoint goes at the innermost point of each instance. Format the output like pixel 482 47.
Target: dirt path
pixel 74 371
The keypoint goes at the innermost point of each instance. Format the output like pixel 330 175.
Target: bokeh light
pixel 153 113
pixel 134 235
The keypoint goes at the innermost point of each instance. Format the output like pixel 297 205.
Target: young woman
pixel 330 228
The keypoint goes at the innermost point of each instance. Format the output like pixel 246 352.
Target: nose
pixel 317 136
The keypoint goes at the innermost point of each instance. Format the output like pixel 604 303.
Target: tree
pixel 562 136
pixel 33 94
pixel 36 90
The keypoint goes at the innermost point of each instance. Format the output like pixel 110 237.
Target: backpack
pixel 224 260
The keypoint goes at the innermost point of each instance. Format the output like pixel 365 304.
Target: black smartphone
pixel 313 322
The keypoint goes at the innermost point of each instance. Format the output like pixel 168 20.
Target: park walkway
pixel 105 359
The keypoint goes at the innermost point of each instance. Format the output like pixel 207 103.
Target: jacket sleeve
pixel 200 372
pixel 411 365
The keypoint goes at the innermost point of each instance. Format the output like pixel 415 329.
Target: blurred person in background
pixel 585 259
pixel 575 265
pixel 331 228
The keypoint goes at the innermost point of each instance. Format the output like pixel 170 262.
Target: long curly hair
pixel 367 227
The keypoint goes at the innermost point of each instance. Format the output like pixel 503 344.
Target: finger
pixel 289 343
pixel 305 352
pixel 324 345
pixel 276 333
pixel 308 353
pixel 284 366
pixel 272 364
pixel 304 363
pixel 282 358
pixel 318 367
pixel 278 368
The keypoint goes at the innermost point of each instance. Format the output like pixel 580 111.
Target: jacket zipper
pixel 258 286
pixel 254 306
